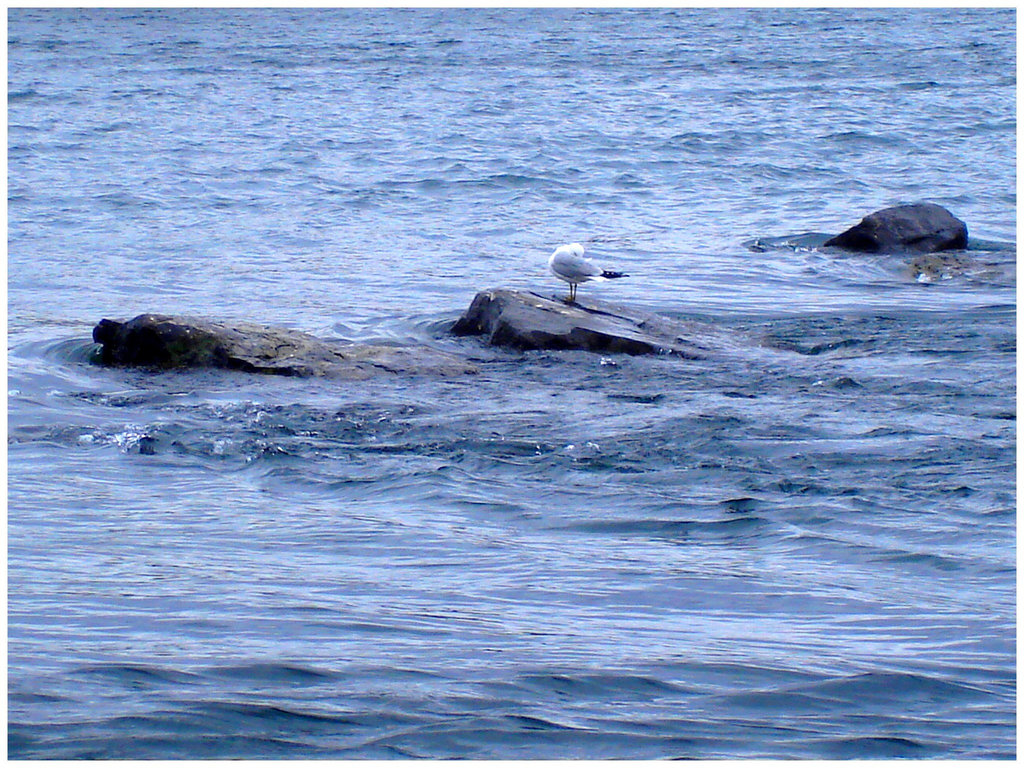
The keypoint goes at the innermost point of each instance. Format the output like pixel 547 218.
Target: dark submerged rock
pixel 931 267
pixel 526 320
pixel 163 341
pixel 918 228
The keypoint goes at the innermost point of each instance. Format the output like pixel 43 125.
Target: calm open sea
pixel 802 549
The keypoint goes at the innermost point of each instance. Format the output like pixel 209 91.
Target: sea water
pixel 803 548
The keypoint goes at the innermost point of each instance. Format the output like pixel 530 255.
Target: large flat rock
pixel 165 341
pixel 918 228
pixel 526 320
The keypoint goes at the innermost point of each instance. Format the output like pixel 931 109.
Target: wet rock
pixel 163 341
pixel 526 320
pixel 933 267
pixel 918 228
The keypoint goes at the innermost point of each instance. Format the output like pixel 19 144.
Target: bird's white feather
pixel 569 264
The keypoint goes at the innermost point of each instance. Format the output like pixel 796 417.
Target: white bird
pixel 568 263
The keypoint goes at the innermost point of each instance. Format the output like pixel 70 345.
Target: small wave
pixel 874 748
pixel 603 685
pixel 918 85
pixel 129 438
pixel 678 530
pixel 139 675
pixel 160 737
pixel 274 715
pixel 914 690
pixel 120 200
pixel 824 347
pixel 23 95
pixel 934 560
pixel 995 246
pixel 275 673
pixel 744 504
pixel 789 703
pixel 73 351
pixel 416 627
pixel 805 241
pixel 534 723
pixel 637 397
pixel 28 697
pixel 863 138
pixel 65 350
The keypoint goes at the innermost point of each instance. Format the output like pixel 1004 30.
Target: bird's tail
pixel 608 275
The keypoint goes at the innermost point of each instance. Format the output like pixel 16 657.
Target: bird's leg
pixel 572 293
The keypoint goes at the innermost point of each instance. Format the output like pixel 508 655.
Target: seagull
pixel 568 263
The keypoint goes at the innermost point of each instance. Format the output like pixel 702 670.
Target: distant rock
pixel 162 341
pixel 919 228
pixel 526 320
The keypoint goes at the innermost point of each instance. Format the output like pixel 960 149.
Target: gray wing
pixel 574 267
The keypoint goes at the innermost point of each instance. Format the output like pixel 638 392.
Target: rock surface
pixel 919 228
pixel 163 341
pixel 934 267
pixel 526 320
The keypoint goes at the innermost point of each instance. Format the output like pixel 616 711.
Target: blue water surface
pixel 802 547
